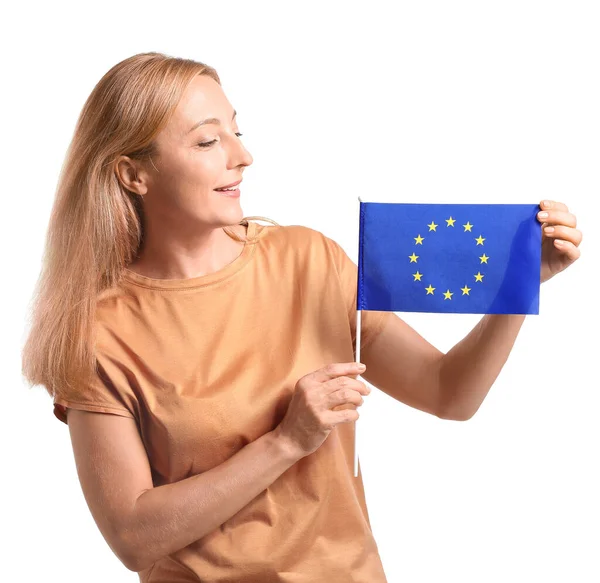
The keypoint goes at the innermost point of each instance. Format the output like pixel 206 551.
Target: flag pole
pixel 358 326
pixel 358 314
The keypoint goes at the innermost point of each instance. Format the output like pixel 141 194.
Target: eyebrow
pixel 209 120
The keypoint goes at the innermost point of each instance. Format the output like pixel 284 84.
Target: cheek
pixel 192 171
pixel 206 170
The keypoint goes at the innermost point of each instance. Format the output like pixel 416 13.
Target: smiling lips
pixel 229 186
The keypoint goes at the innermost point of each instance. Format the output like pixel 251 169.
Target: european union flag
pixel 455 258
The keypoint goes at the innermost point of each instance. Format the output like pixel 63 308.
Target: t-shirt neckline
pixel 202 280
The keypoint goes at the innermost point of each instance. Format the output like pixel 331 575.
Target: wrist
pixel 285 447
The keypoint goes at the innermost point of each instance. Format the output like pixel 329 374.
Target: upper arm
pixel 401 363
pixel 113 470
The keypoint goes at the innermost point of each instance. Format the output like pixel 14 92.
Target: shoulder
pixel 117 308
pixel 295 237
pixel 114 297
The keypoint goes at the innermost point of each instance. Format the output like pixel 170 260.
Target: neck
pixel 178 257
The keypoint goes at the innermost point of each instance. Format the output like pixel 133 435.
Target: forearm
pixel 167 518
pixel 469 369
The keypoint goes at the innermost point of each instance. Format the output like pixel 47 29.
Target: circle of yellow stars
pixel 482 258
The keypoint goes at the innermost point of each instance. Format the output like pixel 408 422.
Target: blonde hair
pixel 96 225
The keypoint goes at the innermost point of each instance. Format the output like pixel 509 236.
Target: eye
pixel 207 144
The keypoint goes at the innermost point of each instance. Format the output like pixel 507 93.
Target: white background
pixel 393 101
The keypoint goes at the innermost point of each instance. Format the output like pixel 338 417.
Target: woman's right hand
pixel 309 418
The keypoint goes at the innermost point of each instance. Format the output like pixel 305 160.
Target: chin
pixel 237 214
pixel 233 217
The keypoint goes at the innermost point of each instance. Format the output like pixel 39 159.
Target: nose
pixel 239 155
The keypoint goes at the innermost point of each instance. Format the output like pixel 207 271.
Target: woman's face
pixel 192 163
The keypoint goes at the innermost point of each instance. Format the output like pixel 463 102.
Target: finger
pixel 574 236
pixel 345 384
pixel 553 204
pixel 566 247
pixel 337 369
pixel 557 218
pixel 344 397
pixel 342 416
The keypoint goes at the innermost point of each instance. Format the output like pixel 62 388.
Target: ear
pixel 130 175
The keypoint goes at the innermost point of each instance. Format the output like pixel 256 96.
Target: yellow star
pixel 413 258
pixel 484 258
pixel 480 240
pixel 467 226
pixel 448 295
pixel 465 290
pixel 429 289
pixel 417 276
pixel 450 222
pixel 432 226
pixel 479 276
pixel 419 240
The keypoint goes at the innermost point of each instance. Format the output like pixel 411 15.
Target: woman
pixel 202 360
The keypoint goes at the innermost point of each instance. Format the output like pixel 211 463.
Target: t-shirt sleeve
pixel 108 392
pixel 372 321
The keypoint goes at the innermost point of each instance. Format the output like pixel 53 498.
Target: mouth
pixel 228 187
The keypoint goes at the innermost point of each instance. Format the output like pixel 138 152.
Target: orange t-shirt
pixel 207 365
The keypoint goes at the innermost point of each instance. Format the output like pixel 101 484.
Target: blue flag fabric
pixel 451 258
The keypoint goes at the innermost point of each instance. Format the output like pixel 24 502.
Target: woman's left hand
pixel 560 238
